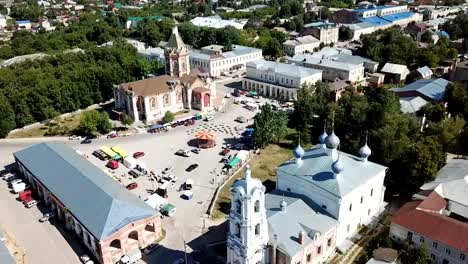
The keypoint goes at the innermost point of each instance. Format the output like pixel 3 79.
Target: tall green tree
pixel 269 125
pixel 168 117
pixel 7 117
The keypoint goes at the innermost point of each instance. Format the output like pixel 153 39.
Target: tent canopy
pixel 156 126
pixel 109 152
pixel 234 162
pixel 120 151
pixel 206 135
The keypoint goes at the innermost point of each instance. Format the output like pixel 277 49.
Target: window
pixel 324 206
pixel 432 256
pixel 371 192
pixel 362 199
pixel 462 256
pixel 238 207
pixel 319 250
pixel 257 206
pixel 448 251
pixel 309 257
pixel 166 100
pixel 350 207
pixel 421 239
pixel 257 229
pixel 238 234
pixel 434 244
pixel 329 242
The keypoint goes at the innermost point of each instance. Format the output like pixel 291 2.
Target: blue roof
pixel 443 34
pixel 316 170
pixel 433 89
pixel 98 202
pixel 397 16
pixel 23 21
pixel 376 21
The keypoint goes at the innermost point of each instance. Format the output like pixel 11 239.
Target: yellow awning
pixel 120 151
pixel 108 151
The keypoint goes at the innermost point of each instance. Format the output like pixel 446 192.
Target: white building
pixel 23 24
pixel 216 62
pixel 275 79
pixel 321 199
pixel 325 32
pixel 331 70
pixel 217 22
pixel 152 54
pixel 3 21
pixel 346 56
pixel 300 45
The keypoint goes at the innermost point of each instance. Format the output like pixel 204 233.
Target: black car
pixel 99 154
pixel 86 141
pixel 191 167
pixel 196 151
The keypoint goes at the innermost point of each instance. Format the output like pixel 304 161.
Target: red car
pixel 138 154
pixel 242 92
pixel 132 186
pixel 225 151
pixel 113 164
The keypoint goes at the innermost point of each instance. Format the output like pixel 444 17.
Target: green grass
pixel 71 122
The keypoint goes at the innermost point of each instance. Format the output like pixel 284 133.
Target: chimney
pixel 301 237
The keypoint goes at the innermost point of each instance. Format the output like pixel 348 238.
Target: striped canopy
pixel 206 135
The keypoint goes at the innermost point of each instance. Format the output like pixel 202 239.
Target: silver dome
pixel 323 137
pixel 365 151
pixel 298 152
pixel 332 141
pixel 337 167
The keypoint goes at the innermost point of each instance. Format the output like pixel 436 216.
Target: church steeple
pixel 176 55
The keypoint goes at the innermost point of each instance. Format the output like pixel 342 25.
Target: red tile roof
pixel 434 202
pixel 435 226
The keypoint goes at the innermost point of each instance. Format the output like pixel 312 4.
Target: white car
pixel 167 170
pixel 46 217
pixel 15 181
pixel 227 96
pixel 85 259
pixel 75 137
pixel 31 203
pixel 8 175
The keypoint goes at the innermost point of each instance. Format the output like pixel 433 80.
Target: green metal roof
pixel 234 162
pixel 99 203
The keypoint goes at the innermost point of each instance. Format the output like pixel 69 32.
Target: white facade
pixel 217 22
pixel 275 79
pixel 301 45
pixel 248 228
pixel 217 64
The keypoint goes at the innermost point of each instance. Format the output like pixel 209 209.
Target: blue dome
pixel 337 167
pixel 323 137
pixel 365 151
pixel 298 152
pixel 332 141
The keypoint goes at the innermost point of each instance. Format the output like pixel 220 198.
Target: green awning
pixel 253 93
pixel 167 208
pixel 234 162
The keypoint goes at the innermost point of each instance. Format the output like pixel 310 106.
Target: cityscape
pixel 234 132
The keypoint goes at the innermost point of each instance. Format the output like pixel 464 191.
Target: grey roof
pixel 5 256
pixel 425 71
pixel 394 68
pixel 238 50
pixel 298 216
pixel 433 89
pixel 411 104
pixel 301 41
pixel 100 204
pixel 453 178
pixel 282 68
pixel 316 169
pixel 175 41
pixel 328 63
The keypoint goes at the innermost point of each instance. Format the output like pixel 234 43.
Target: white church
pixel 322 197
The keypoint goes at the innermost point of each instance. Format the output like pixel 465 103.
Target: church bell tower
pixel 176 55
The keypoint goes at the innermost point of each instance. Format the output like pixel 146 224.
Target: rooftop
pixel 329 63
pixel 237 50
pixel 100 204
pixel 282 68
pixel 376 21
pixel 301 41
pixel 216 22
pixel 394 68
pixel 299 216
pixel 411 104
pixel 433 89
pixel 316 169
pixel 398 16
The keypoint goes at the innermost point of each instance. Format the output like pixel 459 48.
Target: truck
pixel 162 190
pixel 156 201
pixel 131 257
pixel 25 196
pixel 130 162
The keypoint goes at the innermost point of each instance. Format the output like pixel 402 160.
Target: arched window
pixel 153 103
pixel 166 100
pixel 257 206
pixel 149 228
pixel 179 97
pixel 133 235
pixel 115 244
pixel 257 229
pixel 238 207
pixel 238 230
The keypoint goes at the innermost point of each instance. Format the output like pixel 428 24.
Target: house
pixel 179 89
pixel 395 73
pixel 430 90
pixel 346 56
pixel 106 218
pixel 437 218
pixel 133 21
pixel 217 22
pixel 322 197
pixel 23 24
pixel 151 54
pixel 326 33
pixel 411 105
pixel 301 45
pixel 376 79
pixel 331 70
pixel 276 79
pixel 420 73
pixel 344 16
pixel 417 29
pixel 213 60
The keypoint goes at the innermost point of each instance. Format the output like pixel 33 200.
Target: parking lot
pixel 188 222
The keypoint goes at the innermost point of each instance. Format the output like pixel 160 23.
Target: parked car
pixel 241 119
pixel 85 259
pixel 99 154
pixel 31 203
pixel 170 177
pixel 183 152
pixel 46 217
pixel 167 170
pixel 8 176
pixel 209 144
pixel 86 141
pixel 138 154
pixel 191 167
pixel 75 137
pixel 113 164
pixel 112 135
pixel 196 150
pixel 132 186
pixel 13 182
pixel 209 118
pixel 135 173
pixel 225 151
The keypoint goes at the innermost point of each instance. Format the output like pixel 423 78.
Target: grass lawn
pixel 263 167
pixel 71 122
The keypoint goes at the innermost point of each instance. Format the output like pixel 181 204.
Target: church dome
pixel 365 151
pixel 337 167
pixel 332 141
pixel 298 152
pixel 323 137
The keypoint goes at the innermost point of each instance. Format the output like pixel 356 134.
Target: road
pixel 41 241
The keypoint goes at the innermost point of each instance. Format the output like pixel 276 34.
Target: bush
pixel 168 117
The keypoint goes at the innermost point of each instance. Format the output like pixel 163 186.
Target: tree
pixel 345 33
pixel 447 131
pixel 456 96
pixel 7 117
pixel 88 122
pixel 427 36
pixel 415 255
pixel 104 125
pixel 269 125
pixel 433 112
pixel 285 11
pixel 126 119
pixel 168 117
